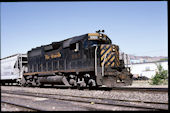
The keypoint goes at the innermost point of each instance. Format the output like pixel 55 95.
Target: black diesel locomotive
pixel 89 60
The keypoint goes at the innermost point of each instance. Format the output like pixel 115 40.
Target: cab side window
pixel 75 47
pixel 86 44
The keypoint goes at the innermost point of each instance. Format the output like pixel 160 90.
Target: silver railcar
pixel 13 67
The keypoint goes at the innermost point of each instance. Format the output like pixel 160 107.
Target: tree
pixel 161 76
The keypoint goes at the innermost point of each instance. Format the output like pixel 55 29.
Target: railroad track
pixel 27 108
pixel 124 88
pixel 141 89
pixel 143 105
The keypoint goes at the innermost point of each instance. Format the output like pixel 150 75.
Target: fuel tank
pixel 60 80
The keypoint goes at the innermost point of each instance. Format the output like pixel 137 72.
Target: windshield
pixel 94 39
pixel 103 39
pixel 89 43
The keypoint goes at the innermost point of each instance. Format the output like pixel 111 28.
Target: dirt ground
pixel 145 83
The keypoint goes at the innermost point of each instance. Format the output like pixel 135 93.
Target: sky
pixel 139 28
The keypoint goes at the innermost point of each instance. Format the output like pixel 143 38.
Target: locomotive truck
pixel 89 60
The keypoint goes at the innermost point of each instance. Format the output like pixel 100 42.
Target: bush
pixel 161 76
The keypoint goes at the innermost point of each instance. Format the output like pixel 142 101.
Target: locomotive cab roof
pixel 89 36
pixel 67 42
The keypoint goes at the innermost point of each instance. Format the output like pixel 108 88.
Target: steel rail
pixel 87 101
pixel 137 101
pixel 21 106
pixel 166 103
pixel 36 109
pixel 141 89
pixel 124 88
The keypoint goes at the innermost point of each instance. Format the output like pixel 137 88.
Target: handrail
pixel 103 64
pixel 96 60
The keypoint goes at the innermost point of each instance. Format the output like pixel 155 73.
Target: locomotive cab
pixel 107 53
pixel 108 69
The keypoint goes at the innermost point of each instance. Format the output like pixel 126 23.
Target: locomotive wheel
pixel 22 82
pixel 37 82
pixel 41 85
pixel 28 85
pixel 79 87
pixel 93 87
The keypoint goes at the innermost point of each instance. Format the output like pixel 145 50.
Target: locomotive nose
pixel 109 55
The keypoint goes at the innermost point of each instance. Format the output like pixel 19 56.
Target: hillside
pixel 146 58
